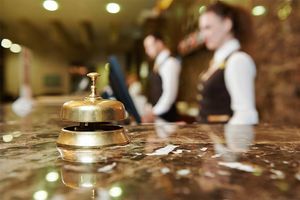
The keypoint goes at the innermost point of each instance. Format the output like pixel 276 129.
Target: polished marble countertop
pixel 163 161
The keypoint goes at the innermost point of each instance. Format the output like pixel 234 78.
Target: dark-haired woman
pixel 226 89
pixel 164 80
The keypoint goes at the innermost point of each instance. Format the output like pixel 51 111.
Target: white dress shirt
pixel 239 75
pixel 169 70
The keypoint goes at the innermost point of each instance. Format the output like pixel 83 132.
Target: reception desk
pixel 162 161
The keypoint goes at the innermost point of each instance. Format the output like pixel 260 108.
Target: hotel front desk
pixel 162 161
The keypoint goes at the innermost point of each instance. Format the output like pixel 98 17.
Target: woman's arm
pixel 169 73
pixel 240 75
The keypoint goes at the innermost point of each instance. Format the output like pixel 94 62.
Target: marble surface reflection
pixel 166 161
pixel 238 139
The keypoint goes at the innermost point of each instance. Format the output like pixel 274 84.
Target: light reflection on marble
pixel 238 139
pixel 196 169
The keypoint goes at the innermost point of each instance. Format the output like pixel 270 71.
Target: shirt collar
pixel 225 50
pixel 162 56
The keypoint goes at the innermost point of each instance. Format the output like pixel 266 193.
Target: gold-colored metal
pixel 81 155
pixel 93 108
pixel 93 76
pixel 83 143
pixel 105 135
pixel 99 110
pixel 81 176
pixel 81 180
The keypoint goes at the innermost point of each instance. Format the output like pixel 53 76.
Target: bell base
pixel 82 144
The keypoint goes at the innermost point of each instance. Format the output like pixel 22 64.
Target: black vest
pixel 214 98
pixel 155 92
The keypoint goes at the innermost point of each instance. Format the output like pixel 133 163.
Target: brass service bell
pixel 96 129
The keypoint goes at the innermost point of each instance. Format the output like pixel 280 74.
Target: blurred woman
pixel 226 89
pixel 164 80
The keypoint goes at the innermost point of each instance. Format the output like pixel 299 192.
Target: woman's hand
pixel 149 117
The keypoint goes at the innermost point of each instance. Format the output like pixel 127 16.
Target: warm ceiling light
pixel 202 9
pixel 164 4
pixel 40 195
pixel 113 8
pixel 52 176
pixel 50 5
pixel 6 43
pixel 15 48
pixel 115 191
pixel 258 10
pixel 284 12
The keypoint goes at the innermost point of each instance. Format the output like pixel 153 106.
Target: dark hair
pixel 242 25
pixel 159 36
pixel 164 39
